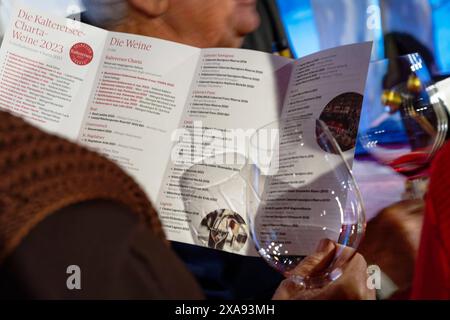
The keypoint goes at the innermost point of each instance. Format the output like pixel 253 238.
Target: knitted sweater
pixel 41 174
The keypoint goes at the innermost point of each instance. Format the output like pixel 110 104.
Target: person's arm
pixel 392 242
pixel 118 259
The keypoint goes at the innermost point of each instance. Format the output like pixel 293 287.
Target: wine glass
pixel 404 121
pixel 301 190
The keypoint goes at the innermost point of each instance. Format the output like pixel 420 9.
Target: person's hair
pixel 105 13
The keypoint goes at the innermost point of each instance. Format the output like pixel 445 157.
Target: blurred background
pixel 314 25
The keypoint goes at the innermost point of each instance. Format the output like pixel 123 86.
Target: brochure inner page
pixel 306 193
pixel 235 92
pixel 137 102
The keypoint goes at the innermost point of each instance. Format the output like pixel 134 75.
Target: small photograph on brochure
pixel 341 115
pixel 224 230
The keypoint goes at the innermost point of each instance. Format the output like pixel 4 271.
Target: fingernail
pixel 323 244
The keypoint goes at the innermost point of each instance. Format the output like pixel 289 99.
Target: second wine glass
pixel 404 120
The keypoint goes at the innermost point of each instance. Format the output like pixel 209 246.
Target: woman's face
pixel 211 23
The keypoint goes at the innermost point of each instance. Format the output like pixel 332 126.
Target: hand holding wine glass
pixel 351 284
